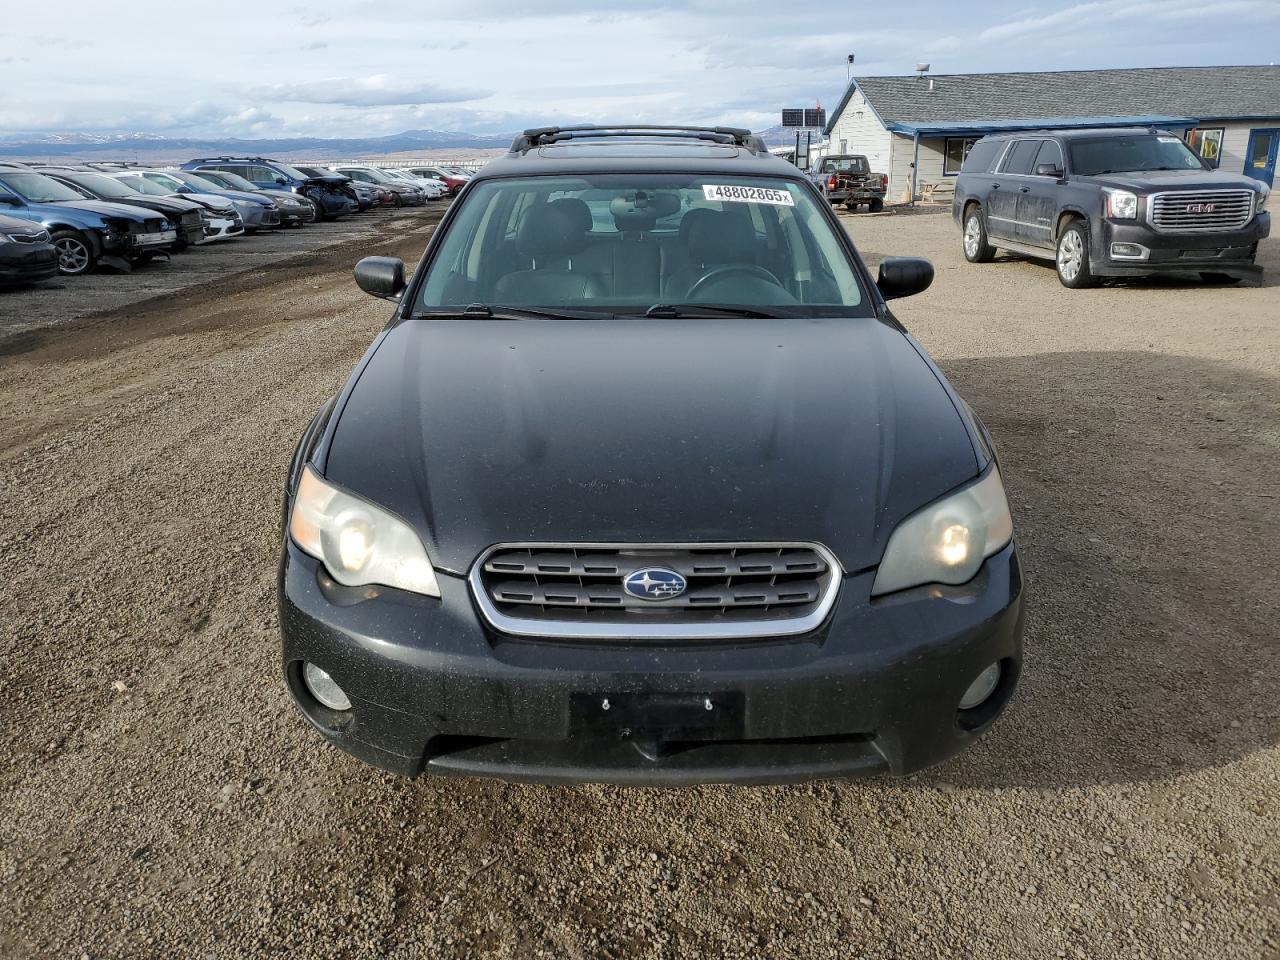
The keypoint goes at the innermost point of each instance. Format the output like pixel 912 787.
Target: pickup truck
pixel 848 179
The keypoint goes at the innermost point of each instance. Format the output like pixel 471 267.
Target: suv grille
pixel 1201 210
pixel 733 590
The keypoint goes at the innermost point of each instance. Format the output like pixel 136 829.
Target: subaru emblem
pixel 655 583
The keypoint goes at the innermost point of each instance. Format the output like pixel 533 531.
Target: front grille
pixel 41 237
pixel 1190 211
pixel 733 590
pixel 192 218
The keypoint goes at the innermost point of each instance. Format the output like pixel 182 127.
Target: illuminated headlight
pixel 1121 204
pixel 947 541
pixel 357 542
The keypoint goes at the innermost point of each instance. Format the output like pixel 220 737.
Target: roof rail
pixel 542 136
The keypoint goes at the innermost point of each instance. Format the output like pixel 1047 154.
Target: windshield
pixel 1133 154
pixel 846 165
pixel 293 173
pixel 37 188
pixel 102 185
pixel 624 244
pixel 198 183
pixel 230 180
pixel 143 185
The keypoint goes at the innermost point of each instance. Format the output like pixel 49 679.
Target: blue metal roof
pixel 958 127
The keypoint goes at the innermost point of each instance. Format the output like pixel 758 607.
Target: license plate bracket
pixel 668 717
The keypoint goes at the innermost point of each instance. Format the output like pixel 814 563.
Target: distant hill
pixel 155 148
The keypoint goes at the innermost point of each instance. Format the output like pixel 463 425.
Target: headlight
pixel 1260 203
pixel 5 238
pixel 947 541
pixel 357 542
pixel 1121 204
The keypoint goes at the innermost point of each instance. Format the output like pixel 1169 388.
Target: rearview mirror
pixel 1049 170
pixel 904 277
pixel 381 277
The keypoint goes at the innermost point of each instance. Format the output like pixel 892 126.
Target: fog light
pixel 981 688
pixel 1129 251
pixel 324 688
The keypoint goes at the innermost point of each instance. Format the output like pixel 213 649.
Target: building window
pixel 1206 143
pixel 957 150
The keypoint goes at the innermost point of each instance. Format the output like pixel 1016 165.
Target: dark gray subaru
pixel 643 483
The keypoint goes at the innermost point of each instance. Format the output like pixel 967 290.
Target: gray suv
pixel 1109 203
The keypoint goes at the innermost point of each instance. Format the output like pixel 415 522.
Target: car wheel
pixel 850 206
pixel 1219 278
pixel 875 206
pixel 1073 256
pixel 976 247
pixel 75 253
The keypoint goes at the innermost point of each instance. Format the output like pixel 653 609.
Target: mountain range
pixel 149 146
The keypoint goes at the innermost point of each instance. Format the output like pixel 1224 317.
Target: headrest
pixel 692 217
pixel 720 239
pixel 577 209
pixel 547 230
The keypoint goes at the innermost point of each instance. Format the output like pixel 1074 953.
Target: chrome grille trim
pixel 1168 212
pixel 812 598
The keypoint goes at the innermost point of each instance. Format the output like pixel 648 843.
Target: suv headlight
pixel 1121 204
pixel 358 543
pixel 1260 204
pixel 947 541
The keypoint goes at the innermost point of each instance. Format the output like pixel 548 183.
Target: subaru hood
pixel 481 432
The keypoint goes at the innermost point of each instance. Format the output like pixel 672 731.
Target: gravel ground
pixel 160 797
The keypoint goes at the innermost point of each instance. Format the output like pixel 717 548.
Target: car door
pixel 1038 197
pixel 1002 201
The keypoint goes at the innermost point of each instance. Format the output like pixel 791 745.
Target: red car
pixel 454 183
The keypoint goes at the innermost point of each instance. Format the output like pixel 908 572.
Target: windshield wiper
pixel 495 311
pixel 674 311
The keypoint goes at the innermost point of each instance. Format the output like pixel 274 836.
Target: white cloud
pixel 372 67
pixel 374 91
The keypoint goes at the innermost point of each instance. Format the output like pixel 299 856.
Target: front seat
pixel 549 236
pixel 712 239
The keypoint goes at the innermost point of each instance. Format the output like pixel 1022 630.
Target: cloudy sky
pixel 368 67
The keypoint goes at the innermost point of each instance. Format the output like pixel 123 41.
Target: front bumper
pixel 222 228
pixel 259 217
pixel 1229 252
pixel 27 262
pixel 434 691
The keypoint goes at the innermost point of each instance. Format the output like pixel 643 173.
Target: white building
pixel 918 129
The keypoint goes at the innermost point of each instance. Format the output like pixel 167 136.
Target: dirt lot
pixel 161 798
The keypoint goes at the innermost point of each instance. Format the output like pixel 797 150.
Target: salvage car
pixel 404 193
pixel 434 189
pixel 1120 202
pixel 222 220
pixel 256 212
pixel 27 254
pixel 644 483
pixel 453 182
pixel 330 196
pixel 85 232
pixel 186 215
pixel 294 210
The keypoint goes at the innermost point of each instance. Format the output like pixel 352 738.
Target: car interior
pixel 629 247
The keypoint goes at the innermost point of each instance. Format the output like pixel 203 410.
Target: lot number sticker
pixel 733 194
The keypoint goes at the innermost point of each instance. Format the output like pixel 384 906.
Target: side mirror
pixel 281 180
pixel 1049 170
pixel 9 201
pixel 381 277
pixel 185 189
pixel 904 277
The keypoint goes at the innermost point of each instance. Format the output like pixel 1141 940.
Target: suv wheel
pixel 976 247
pixel 1073 256
pixel 75 252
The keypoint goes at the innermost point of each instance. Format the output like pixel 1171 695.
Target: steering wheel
pixel 748 269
